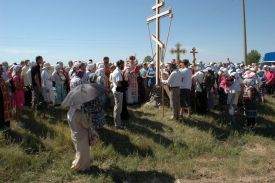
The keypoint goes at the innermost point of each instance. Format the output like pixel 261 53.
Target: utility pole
pixel 244 34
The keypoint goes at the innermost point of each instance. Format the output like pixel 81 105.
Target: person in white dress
pixel 47 83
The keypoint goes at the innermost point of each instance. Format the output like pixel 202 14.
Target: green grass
pixel 152 149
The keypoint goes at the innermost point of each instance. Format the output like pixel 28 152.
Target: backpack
pixel 124 84
pixel 208 81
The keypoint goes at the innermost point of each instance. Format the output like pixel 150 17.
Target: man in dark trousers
pixel 38 100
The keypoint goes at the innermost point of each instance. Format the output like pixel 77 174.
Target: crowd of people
pixel 190 89
pixel 229 87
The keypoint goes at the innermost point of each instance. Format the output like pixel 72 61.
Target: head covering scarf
pixel 100 72
pixel 57 66
pixel 92 78
pixel 46 66
pixel 15 70
pixel 248 75
pixel 90 67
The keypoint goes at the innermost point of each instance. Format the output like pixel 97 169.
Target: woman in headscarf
pixel 132 92
pixel 89 70
pixel 18 97
pixel 74 69
pixel 59 80
pixel 82 133
pixel 103 81
pixel 92 78
pixel 250 98
pixel 9 72
pixel 223 83
pixel 5 107
pixel 95 107
pixel 47 83
pixel 101 77
pixel 76 80
pixel 66 75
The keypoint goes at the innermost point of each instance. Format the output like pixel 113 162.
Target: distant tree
pixel 253 57
pixel 147 59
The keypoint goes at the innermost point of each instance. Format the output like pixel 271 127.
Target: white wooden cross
pixel 159 44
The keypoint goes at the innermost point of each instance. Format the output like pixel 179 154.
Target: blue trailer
pixel 269 59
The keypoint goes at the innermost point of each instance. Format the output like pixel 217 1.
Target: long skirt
pixel 80 138
pixel 18 99
pixel 132 92
pixel 60 93
pixel 48 95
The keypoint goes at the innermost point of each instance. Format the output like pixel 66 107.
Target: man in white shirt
pixel 174 82
pixel 117 81
pixel 200 94
pixel 185 87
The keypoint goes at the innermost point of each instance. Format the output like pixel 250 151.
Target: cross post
pixel 194 52
pixel 156 38
pixel 178 51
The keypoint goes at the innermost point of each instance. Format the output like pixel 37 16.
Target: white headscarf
pixel 57 67
pixel 90 67
pixel 100 72
pixel 46 66
pixel 16 68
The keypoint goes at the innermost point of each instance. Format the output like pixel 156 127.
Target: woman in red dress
pixel 18 98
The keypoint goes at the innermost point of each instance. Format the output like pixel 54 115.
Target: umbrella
pixel 82 94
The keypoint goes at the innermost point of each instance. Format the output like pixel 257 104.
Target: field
pixel 152 149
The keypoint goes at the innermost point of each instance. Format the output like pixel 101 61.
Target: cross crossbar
pixel 158 41
pixel 165 13
pixel 158 5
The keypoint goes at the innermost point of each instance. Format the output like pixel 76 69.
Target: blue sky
pixel 84 29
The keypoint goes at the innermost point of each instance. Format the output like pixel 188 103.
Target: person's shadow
pixel 121 143
pixel 119 176
pixel 28 142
